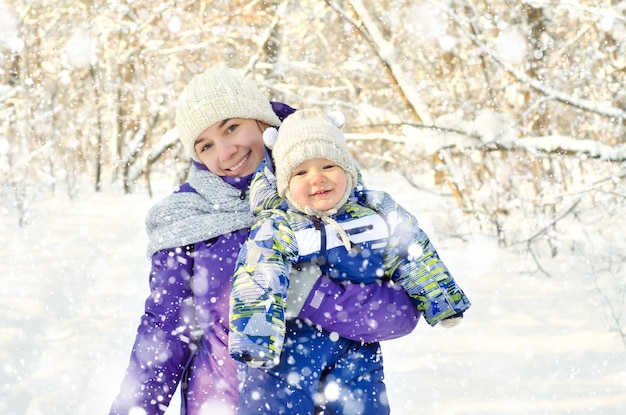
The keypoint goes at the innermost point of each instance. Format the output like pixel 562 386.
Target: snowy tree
pixel 514 111
pixel 510 108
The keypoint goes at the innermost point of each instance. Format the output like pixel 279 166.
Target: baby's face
pixel 318 183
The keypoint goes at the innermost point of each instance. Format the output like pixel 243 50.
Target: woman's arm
pixel 162 345
pixel 362 312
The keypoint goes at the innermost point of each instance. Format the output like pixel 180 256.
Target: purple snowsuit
pixel 182 338
pixel 183 334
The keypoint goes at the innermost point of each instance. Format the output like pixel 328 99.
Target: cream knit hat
pixel 218 94
pixel 304 135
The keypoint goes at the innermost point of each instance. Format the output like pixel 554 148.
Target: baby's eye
pixel 299 173
pixel 329 166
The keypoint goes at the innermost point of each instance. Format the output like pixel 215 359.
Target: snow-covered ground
pixel 73 282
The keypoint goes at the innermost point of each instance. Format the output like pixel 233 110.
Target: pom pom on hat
pixel 308 134
pixel 270 135
pixel 218 94
pixel 337 118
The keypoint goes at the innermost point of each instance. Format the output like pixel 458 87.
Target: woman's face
pixel 232 147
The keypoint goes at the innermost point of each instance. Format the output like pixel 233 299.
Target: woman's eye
pixel 231 128
pixel 206 147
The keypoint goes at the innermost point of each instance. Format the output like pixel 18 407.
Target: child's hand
pixel 452 321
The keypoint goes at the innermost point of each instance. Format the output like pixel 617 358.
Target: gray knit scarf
pixel 185 218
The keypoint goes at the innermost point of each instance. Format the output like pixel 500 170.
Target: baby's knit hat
pixel 304 135
pixel 218 94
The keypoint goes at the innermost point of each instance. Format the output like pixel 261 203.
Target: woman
pixel 195 236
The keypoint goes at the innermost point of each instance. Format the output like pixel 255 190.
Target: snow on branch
pixel 167 141
pixel 584 104
pixel 386 52
pixel 559 143
pixel 453 138
pixel 265 36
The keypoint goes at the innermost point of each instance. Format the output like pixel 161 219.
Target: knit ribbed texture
pixel 185 218
pixel 308 134
pixel 218 94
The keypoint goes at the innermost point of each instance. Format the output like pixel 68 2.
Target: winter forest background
pixel 500 123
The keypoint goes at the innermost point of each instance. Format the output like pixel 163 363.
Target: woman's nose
pixel 226 151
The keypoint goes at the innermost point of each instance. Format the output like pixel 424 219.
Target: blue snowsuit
pixel 316 366
pixel 319 373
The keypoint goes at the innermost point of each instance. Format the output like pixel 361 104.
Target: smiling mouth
pixel 321 192
pixel 240 164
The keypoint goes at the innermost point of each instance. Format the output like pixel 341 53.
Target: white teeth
pixel 241 163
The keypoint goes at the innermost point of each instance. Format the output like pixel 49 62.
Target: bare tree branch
pixel 386 52
pixel 263 38
pixel 551 93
